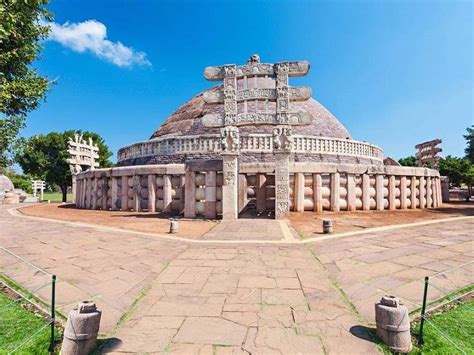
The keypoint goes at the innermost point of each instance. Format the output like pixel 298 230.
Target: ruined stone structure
pixel 427 155
pixel 254 143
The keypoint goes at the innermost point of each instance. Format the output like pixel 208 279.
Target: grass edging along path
pixel 448 330
pixel 24 328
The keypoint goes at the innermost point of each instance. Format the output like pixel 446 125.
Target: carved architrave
pixel 230 139
pixel 256 118
pixel 295 69
pixel 297 93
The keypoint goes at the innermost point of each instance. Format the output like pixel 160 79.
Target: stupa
pixel 254 143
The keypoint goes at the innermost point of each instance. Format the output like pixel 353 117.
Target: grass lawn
pixel 17 324
pixel 457 323
pixel 52 196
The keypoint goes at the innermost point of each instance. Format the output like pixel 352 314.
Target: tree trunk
pixel 64 191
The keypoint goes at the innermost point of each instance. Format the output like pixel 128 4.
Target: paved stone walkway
pixel 160 295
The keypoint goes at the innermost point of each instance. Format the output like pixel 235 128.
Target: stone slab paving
pixel 243 299
pixel 367 266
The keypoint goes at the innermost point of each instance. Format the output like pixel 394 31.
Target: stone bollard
pixel 173 226
pixel 327 226
pixel 80 334
pixel 393 324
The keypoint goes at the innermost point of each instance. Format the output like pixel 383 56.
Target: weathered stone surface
pixel 207 330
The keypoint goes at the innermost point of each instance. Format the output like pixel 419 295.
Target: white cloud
pixel 91 36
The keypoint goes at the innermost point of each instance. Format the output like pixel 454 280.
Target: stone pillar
pixel 114 193
pixel 182 185
pixel 167 193
pixel 94 193
pixel 83 193
pixel 391 193
pixel 190 194
pixel 413 192
pixel 422 192
pixel 74 189
pixel 210 195
pixel 282 185
pixel 229 187
pixel 403 192
pixel 105 187
pixel 151 193
pixel 365 192
pixel 379 192
pixel 429 196
pixel 136 193
pixel 317 193
pixel 261 192
pixel 298 193
pixel 242 192
pixel 434 191
pixel 124 193
pixel 335 191
pixel 444 189
pixel 351 193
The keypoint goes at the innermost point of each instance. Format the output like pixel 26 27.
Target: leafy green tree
pixel 44 157
pixel 408 161
pixel 455 168
pixel 470 143
pixel 21 87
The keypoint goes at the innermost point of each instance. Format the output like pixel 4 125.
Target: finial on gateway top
pixel 254 58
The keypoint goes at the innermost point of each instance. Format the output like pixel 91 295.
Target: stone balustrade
pixel 195 190
pixel 250 143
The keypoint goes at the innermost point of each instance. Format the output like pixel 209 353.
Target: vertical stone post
pixel 444 183
pixel 136 193
pixel 403 192
pixel 391 193
pixel 434 192
pixel 94 193
pixel 379 192
pixel 167 193
pixel 83 193
pixel 298 194
pixel 210 195
pixel 124 193
pixel 351 193
pixel 335 191
pixel 74 188
pixel 282 184
pixel 190 194
pixel 422 192
pixel 261 192
pixel 429 196
pixel 317 193
pixel 242 194
pixel 413 192
pixel 151 193
pixel 114 193
pixel 229 187
pixel 182 185
pixel 105 187
pixel 365 192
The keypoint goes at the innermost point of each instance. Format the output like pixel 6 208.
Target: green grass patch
pixel 52 196
pixel 456 322
pixel 20 321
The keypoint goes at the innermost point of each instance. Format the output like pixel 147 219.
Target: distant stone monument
pixel 427 155
pixel 38 185
pixel 82 154
pixel 247 91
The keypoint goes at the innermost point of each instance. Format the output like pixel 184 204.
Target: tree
pixel 21 87
pixel 455 168
pixel 44 157
pixel 470 143
pixel 408 161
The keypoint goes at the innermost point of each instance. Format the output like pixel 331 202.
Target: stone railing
pixel 250 143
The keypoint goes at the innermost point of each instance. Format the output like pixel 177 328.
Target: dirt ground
pixel 137 221
pixel 309 224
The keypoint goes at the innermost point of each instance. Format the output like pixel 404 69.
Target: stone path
pixel 207 297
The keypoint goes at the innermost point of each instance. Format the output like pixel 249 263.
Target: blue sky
pixel 395 73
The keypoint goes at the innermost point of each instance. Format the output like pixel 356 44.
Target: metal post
pixel 423 310
pixel 53 315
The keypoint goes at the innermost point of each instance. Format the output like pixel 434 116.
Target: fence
pixel 447 288
pixel 27 306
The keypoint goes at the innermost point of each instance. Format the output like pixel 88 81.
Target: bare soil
pixel 309 224
pixel 157 223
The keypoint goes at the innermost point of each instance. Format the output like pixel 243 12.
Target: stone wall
pixel 195 189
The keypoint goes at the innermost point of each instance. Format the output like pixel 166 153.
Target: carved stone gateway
pixel 246 93
pixel 427 155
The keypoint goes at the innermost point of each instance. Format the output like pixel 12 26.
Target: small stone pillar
pixel 351 192
pixel 429 193
pixel 335 191
pixel 379 198
pixel 190 194
pixel 82 327
pixel 242 182
pixel 261 192
pixel 403 192
pixel 391 193
pixel 445 189
pixel 422 192
pixel 151 193
pixel 413 192
pixel 299 192
pixel 167 198
pixel 114 193
pixel 124 193
pixel 282 184
pixel 211 195
pixel 393 324
pixel 229 187
pixel 366 192
pixel 74 189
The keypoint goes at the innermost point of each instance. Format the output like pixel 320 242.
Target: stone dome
pixel 5 183
pixel 186 120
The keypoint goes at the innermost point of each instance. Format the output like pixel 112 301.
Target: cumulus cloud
pixel 91 36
